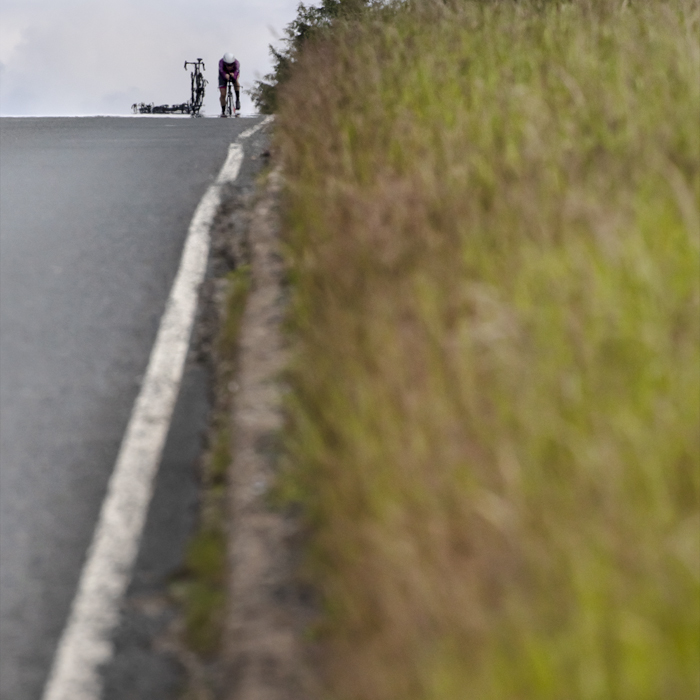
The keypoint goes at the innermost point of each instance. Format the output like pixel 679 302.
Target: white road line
pixel 86 644
pixel 249 132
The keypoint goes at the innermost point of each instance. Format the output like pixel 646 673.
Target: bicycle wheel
pixel 229 101
pixel 199 94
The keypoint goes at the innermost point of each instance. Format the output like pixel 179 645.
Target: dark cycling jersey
pixel 226 68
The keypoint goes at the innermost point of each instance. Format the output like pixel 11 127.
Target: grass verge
pixel 201 589
pixel 493 232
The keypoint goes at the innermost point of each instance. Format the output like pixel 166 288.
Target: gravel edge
pixel 263 648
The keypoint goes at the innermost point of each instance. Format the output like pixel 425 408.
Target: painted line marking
pixel 85 645
pixel 249 132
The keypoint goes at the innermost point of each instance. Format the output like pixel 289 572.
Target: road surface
pixel 93 216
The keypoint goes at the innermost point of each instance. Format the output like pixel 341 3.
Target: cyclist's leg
pixel 222 98
pixel 237 88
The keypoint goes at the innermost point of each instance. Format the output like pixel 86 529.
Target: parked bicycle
pixel 152 108
pixel 198 82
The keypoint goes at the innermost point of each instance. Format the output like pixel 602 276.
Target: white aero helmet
pixel 229 58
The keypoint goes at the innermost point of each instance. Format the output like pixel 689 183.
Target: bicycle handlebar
pixel 198 62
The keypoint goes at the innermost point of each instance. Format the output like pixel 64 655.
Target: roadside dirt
pixel 266 612
pixel 262 653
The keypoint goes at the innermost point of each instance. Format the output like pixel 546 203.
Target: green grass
pixel 203 593
pixel 201 589
pixel 237 293
pixel 493 234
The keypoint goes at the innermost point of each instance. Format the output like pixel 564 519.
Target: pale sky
pixel 79 57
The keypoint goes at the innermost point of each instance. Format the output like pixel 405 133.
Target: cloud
pixel 79 57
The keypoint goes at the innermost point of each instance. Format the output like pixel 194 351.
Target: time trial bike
pixel 229 110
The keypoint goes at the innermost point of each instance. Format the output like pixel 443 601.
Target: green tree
pixel 310 22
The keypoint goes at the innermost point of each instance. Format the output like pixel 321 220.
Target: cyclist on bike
pixel 229 69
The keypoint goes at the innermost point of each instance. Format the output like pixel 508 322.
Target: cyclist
pixel 229 69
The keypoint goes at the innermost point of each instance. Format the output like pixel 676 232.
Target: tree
pixel 309 23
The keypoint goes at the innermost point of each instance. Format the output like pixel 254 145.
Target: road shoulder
pixel 266 612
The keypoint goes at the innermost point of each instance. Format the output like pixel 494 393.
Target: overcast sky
pixel 76 57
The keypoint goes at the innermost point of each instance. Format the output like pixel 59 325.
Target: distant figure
pixel 229 68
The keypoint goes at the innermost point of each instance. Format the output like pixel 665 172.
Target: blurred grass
pixel 493 233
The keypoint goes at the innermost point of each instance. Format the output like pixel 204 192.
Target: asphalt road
pixel 93 216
